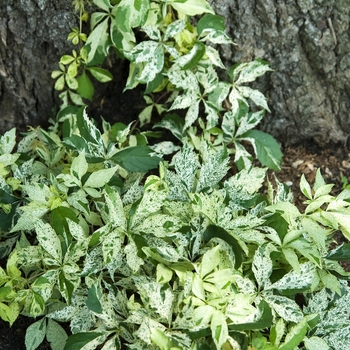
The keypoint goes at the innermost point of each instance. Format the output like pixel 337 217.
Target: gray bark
pixel 33 36
pixel 306 42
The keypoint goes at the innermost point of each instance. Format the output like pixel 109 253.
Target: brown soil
pixel 334 162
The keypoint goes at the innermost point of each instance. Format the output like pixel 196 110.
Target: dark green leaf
pixel 193 57
pixel 85 87
pixel 152 85
pixel 341 253
pixel 136 159
pixel 210 21
pixel 216 231
pixel 75 143
pixel 93 302
pixel 78 340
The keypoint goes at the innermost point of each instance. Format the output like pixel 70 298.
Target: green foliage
pixel 98 231
pixel 179 64
pixel 188 257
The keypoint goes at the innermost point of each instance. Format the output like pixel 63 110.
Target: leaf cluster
pixel 178 62
pixel 186 257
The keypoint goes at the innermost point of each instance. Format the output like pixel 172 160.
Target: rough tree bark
pixel 306 42
pixel 33 35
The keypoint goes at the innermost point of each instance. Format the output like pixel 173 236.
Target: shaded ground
pixel 334 162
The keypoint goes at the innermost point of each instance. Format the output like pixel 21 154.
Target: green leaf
pixel 159 338
pixel 317 233
pixel 214 168
pixel 35 334
pixel 152 55
pixel 79 166
pixel 295 336
pixel 103 4
pixel 97 43
pixel 85 88
pixel 8 141
pixel 174 123
pixel 102 75
pixel 174 28
pixel 340 253
pixel 210 260
pixel 216 231
pixel 255 95
pixel 131 14
pixel 191 7
pixel 66 287
pixel 261 319
pixel 136 159
pixel 79 340
pixel 305 187
pixel 286 308
pixel 87 129
pixel 93 299
pixel 342 217
pixel 315 343
pixel 49 240
pixel 248 72
pixel 37 305
pixel 262 265
pixel 210 21
pixel 294 282
pixel 55 335
pixel 191 59
pixel 100 178
pixel 9 313
pixel 266 148
pixel 219 329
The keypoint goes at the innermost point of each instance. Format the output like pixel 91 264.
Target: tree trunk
pixel 33 36
pixel 306 42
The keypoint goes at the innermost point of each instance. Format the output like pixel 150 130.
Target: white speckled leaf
pixel 294 280
pixel 285 308
pixel 214 168
pixel 49 240
pixel 262 266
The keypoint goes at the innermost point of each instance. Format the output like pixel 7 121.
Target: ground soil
pixel 334 162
